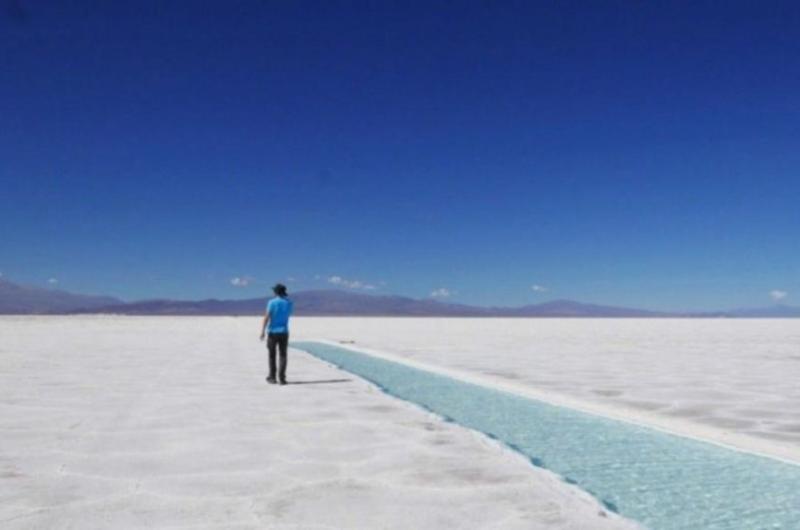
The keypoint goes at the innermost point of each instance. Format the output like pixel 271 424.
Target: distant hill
pixel 320 303
pixel 251 306
pixel 345 303
pixel 19 299
pixel 776 311
pixel 569 308
pixel 24 299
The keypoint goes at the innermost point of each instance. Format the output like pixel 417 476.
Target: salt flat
pixel 160 422
pixel 728 381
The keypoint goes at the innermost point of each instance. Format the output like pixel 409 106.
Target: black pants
pixel 277 341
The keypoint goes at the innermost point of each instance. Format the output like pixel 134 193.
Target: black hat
pixel 279 289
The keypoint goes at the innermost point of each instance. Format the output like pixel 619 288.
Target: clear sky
pixel 630 153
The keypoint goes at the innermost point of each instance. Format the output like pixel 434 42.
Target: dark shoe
pixel 271 380
pixel 283 381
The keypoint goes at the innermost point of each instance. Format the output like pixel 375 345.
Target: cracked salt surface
pixel 161 422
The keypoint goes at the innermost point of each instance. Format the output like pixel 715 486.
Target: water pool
pixel 665 482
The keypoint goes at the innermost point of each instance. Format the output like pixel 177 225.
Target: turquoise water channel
pixel 665 482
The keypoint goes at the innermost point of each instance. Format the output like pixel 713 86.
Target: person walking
pixel 276 323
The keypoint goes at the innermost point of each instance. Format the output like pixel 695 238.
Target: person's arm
pixel 264 323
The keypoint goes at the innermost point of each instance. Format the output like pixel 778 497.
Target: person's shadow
pixel 318 382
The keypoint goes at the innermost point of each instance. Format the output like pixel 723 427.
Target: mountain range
pixel 25 299
pixel 344 303
pixel 20 299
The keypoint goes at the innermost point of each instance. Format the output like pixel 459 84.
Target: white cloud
pixel 778 295
pixel 441 292
pixel 350 284
pixel 52 281
pixel 241 281
pixel 539 288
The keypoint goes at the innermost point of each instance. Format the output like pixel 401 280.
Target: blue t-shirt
pixel 279 310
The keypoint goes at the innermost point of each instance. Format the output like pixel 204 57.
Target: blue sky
pixel 643 154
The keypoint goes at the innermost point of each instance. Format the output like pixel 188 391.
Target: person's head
pixel 279 289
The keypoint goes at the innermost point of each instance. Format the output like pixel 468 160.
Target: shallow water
pixel 733 380
pixel 663 481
